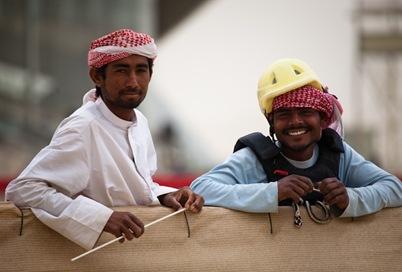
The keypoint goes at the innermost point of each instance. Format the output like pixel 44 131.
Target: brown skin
pixel 298 130
pixel 334 192
pixel 123 88
pixel 125 84
pixel 294 187
pixel 183 198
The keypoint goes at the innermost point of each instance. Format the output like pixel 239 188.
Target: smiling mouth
pixel 297 132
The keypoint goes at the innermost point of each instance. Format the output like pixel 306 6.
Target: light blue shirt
pixel 240 183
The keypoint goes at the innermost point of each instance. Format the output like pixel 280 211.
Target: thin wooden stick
pixel 118 238
pixel 165 217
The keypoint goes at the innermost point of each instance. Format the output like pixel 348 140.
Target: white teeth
pixel 295 133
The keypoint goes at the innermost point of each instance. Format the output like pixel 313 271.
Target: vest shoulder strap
pixel 332 139
pixel 261 145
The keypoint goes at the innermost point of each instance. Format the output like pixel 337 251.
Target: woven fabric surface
pixel 220 240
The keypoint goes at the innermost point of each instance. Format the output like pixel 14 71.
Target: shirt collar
pixel 111 117
pixel 308 163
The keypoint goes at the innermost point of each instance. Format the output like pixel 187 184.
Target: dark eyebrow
pixel 125 65
pixel 120 65
pixel 142 65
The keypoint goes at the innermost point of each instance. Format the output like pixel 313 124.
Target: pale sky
pixel 208 67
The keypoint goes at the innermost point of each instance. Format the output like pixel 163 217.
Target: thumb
pixel 171 201
pixel 319 186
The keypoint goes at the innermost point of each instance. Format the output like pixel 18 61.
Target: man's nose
pixel 296 119
pixel 132 80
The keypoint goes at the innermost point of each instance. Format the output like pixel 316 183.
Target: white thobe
pixel 94 161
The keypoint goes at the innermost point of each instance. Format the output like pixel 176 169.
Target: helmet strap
pixel 272 133
pixel 270 119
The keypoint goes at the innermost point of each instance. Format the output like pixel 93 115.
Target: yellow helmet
pixel 283 76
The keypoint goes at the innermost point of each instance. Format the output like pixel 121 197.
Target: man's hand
pixel 294 187
pixel 124 223
pixel 334 192
pixel 183 198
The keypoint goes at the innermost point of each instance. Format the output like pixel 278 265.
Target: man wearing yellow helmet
pixel 309 161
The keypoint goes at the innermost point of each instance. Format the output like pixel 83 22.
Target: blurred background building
pixel 211 54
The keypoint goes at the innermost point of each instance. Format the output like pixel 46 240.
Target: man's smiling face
pixel 297 129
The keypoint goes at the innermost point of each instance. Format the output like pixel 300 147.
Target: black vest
pixel 276 166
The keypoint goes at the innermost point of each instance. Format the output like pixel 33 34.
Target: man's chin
pixel 132 104
pixel 298 147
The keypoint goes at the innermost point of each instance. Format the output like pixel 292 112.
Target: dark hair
pixel 102 72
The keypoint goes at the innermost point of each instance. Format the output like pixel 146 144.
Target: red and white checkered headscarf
pixel 310 97
pixel 120 44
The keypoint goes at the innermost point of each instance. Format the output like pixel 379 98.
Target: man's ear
pixel 324 122
pixel 96 77
pixel 270 118
pixel 324 119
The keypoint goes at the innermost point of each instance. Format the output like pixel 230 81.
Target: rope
pixel 22 221
pixel 298 220
pixel 297 216
pixel 325 209
pixel 270 223
pixel 188 225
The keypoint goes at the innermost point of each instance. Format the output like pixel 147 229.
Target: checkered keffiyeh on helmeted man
pixel 310 97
